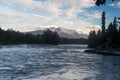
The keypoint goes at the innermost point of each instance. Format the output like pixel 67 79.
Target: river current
pixel 61 62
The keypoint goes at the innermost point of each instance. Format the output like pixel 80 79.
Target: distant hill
pixel 63 32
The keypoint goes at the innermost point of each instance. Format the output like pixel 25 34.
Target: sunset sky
pixel 80 15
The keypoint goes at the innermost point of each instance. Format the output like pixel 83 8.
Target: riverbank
pixel 103 52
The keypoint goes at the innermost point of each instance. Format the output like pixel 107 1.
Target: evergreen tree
pixel 115 32
pixel 109 35
pixel 119 37
pixel 1 35
pixel 99 38
pixel 92 39
pixel 47 36
pixel 103 39
pixel 103 23
pixel 50 37
pixel 55 38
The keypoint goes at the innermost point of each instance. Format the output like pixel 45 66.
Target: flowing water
pixel 62 62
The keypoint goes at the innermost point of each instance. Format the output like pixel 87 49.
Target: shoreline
pixel 103 52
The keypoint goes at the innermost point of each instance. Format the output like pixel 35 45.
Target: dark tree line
pixel 73 41
pixel 107 37
pixel 14 37
pixel 48 37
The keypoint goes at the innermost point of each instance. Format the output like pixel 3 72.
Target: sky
pixel 79 15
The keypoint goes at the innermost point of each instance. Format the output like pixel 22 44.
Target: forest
pixel 108 37
pixel 48 37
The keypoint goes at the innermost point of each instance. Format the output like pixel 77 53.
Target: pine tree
pixel 99 38
pixel 50 37
pixel 55 38
pixel 115 32
pixel 109 35
pixel 1 35
pixel 103 23
pixel 47 36
pixel 103 39
pixel 92 39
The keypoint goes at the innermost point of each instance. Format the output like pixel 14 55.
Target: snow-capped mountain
pixel 63 32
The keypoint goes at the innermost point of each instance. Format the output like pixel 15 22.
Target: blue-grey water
pixel 62 62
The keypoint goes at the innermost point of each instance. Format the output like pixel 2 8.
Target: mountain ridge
pixel 63 32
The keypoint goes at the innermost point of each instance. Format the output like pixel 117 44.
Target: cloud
pixel 88 27
pixel 31 14
pixel 116 5
pixel 93 15
pixel 14 20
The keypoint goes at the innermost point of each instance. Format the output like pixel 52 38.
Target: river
pixel 61 62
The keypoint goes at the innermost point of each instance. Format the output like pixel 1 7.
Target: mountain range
pixel 63 32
